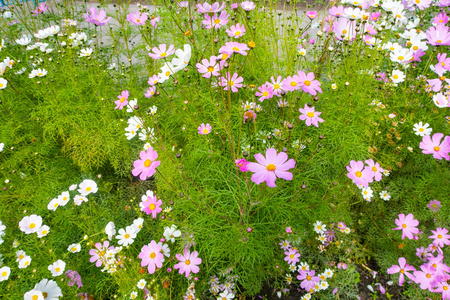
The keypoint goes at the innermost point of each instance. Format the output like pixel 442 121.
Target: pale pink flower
pixel 151 256
pixel 162 51
pixel 408 225
pixel 236 31
pixel 146 166
pixel 188 262
pixel 151 206
pixel 311 116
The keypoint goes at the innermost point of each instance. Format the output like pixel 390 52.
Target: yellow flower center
pixel 137 20
pixel 439 41
pixel 152 255
pixel 401 58
pixel 293 83
pixel 74 249
pixel 102 253
pixel 308 278
pixel 187 262
pixel 445 287
pixel 235 49
pixel 122 99
pixel 4 274
pixel 210 69
pixel 270 167
pixel 344 31
pixel 428 276
pixel 292 256
pixel 442 78
pixel 358 173
pixel 44 232
pixel 276 86
pixel 58 269
pixel 40 74
pixel 216 21
pixel 395 76
pixel 265 94
pixel 1 85
pixel 88 189
pixel 402 271
pixel 436 148
pixel 404 226
pixel 127 236
pixel 167 73
pixel 439 236
pixel 310 114
pixel 35 297
pixel 56 205
pixel 237 33
pixel 21 257
pixel 230 83
pixel 374 169
pixel 152 206
pixel 307 82
pixel 164 54
pixel 26 263
pixel 421 129
pixel 205 131
pixel 147 163
pixel 32 225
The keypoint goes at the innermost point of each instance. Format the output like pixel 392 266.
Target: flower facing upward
pixel 123 100
pixel 151 256
pixel 271 167
pixel 403 268
pixel 188 262
pixel 136 18
pixel 359 174
pixel 147 164
pixel 151 205
pixel 310 116
pixel 408 225
pixel 162 51
pixel 309 85
pixel 231 82
pixel 421 130
pixel 375 168
pixel 216 21
pixel 204 129
pixel 434 205
pixel 98 253
pixel 30 224
pixel 440 237
pixel 308 279
pixel 433 145
pixel 236 31
pixel 265 92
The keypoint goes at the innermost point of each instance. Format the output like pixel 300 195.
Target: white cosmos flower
pixel 86 52
pixel 24 262
pixel 64 198
pixel 33 295
pixel 182 58
pixel 110 230
pixel 137 224
pixel 4 273
pixel 24 41
pixel 43 231
pixel 421 129
pixel 397 76
pixel 3 84
pixel 57 268
pixel 141 284
pixel 49 289
pixel 126 237
pixel 87 186
pixel 30 224
pixel 53 204
pixel 74 248
pixel 78 199
pixel 170 233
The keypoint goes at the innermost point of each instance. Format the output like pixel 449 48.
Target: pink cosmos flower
pixel 309 85
pixel 444 288
pixel 146 166
pixel 188 262
pixel 434 146
pixel 99 252
pixel 312 14
pixel 434 205
pixel 344 29
pixel 249 114
pixel 421 4
pixel 265 92
pixel 358 174
pixel 342 266
pixel 437 83
pixel 236 31
pixel 234 47
pixel 403 269
pixel 426 277
pixel 152 206
pixel 308 279
pixel 150 92
pixel 443 63
pixel 276 84
pixel 438 265
pixel 95 18
pixel 292 256
pixel 248 5
pixel 204 129
pixel 162 51
pixel 208 8
pixel 441 18
pixel 216 21
pixel 440 237
pixel 408 225
pixel 375 168
pixel 311 116
pixel 231 82
pixel 291 83
pixel 136 18
pixel 154 21
pixel 153 80
pixel 211 67
pixel 151 256
pixel 73 278
pixel 438 35
pixel 374 16
pixel 285 245
pixel 242 164
pixel 271 167
pixel 123 100
pixel 336 11
pixel 40 9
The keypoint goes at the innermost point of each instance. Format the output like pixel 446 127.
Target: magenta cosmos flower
pixel 146 166
pixel 359 174
pixel 440 237
pixel 236 31
pixel 95 18
pixel 438 35
pixel 292 256
pixel 311 116
pixel 123 100
pixel 242 164
pixel 426 277
pixel 151 256
pixel 216 21
pixel 152 206
pixel 309 85
pixel 188 262
pixel 403 268
pixel 434 146
pixel 162 51
pixel 408 225
pixel 204 129
pixel 136 18
pixel 312 14
pixel 308 279
pixel 271 167
pixel 99 252
pixel 40 9
pixel 375 168
pixel 234 47
pixel 231 82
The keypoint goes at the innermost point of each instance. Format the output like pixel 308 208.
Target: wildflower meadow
pixel 225 150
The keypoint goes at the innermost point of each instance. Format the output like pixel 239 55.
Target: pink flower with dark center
pixel 208 8
pixel 242 164
pixel 312 14
pixel 265 92
pixel 99 252
pixel 426 277
pixel 439 35
pixel 231 82
pixel 136 18
pixel 292 256
pixel 151 256
pixel 308 279
pixel 216 21
pixel 311 116
pixel 236 31
pixel 440 237
pixel 403 268
pixel 249 114
pixel 408 225
pixel 211 67
pixel 123 100
pixel 309 85
pixel 375 168
pixel 146 166
pixel 434 146
pixel 271 167
pixel 358 174
pixel 162 51
pixel 204 129
pixel 188 262
pixel 95 18
pixel 151 206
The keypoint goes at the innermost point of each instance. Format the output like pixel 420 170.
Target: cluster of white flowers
pixel 45 289
pixel 47 32
pixel 33 224
pixel 86 187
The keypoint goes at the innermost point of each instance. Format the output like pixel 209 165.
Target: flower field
pixel 225 150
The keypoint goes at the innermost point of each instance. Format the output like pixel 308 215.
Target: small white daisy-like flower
pixel 78 199
pixel 410 149
pixel 323 285
pixel 4 273
pixel 303 267
pixel 33 295
pixel 288 278
pixel 347 230
pixel 367 192
pixel 422 129
pixel 322 238
pixel 329 273
pixel 43 231
pixel 133 295
pixel 87 186
pixel 386 172
pixel 30 224
pixel 385 196
pixel 334 86
pixel 57 268
pixel 141 284
pixel 74 248
pixel 54 204
pixel 137 224
pixel 319 227
pixel 126 237
pixel 24 262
